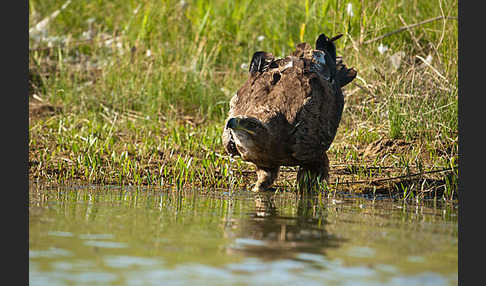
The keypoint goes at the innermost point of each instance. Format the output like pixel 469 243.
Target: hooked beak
pixel 232 123
pixel 235 124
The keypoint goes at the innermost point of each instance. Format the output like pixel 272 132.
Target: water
pixel 122 236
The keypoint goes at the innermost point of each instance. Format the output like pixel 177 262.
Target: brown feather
pixel 299 105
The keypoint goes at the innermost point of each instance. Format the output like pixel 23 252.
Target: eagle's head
pixel 249 136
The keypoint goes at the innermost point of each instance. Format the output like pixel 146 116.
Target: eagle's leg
pixel 266 177
pixel 312 174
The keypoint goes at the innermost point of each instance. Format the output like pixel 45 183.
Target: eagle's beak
pixel 232 123
pixel 235 124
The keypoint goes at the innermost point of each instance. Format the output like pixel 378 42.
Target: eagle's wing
pixel 278 91
pixel 302 107
pixel 317 120
pixel 344 75
pixel 319 117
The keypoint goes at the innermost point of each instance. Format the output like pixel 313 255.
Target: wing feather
pixel 300 107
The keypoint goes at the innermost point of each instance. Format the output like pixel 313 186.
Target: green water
pixel 125 236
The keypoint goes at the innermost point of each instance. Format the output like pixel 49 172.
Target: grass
pixel 135 93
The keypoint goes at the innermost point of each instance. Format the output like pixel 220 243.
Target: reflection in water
pixel 269 235
pixel 103 236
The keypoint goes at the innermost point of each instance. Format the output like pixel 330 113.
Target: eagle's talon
pixel 261 189
pixel 257 189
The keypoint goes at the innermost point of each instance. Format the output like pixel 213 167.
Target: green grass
pixel 140 89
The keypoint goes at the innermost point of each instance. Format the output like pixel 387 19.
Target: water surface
pixel 126 236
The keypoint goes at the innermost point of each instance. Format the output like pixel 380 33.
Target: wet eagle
pixel 288 111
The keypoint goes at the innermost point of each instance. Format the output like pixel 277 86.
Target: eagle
pixel 288 111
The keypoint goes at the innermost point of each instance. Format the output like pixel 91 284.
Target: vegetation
pixel 135 92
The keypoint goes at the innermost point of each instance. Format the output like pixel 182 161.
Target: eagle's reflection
pixel 270 234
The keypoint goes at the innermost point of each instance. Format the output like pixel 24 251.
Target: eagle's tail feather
pixel 326 44
pixel 343 74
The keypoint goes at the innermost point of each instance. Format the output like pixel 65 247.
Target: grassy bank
pixel 127 92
